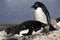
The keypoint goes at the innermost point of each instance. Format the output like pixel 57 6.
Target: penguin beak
pixel 32 6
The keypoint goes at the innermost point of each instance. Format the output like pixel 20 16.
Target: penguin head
pixel 58 20
pixel 37 4
pixel 8 31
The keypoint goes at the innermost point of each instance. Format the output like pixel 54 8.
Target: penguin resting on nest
pixel 30 24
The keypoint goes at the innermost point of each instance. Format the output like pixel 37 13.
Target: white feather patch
pixel 22 32
pixel 26 31
pixel 40 15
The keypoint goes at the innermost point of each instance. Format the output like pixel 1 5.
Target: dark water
pixel 17 11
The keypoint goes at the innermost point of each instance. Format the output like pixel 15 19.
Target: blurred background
pixel 17 11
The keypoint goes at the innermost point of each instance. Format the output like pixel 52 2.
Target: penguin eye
pixel 36 5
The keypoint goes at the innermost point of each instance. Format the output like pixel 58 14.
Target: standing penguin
pixel 42 14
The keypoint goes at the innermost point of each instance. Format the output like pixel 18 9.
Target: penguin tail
pixel 52 28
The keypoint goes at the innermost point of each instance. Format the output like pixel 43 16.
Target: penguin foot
pixel 45 32
pixel 52 28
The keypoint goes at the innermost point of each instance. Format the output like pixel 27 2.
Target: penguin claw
pixel 45 32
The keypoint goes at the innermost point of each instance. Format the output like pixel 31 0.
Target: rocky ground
pixel 54 35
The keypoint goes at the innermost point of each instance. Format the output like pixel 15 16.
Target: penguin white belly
pixel 40 15
pixel 26 31
pixel 21 32
pixel 37 32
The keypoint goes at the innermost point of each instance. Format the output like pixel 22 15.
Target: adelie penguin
pixel 30 24
pixel 42 15
pixel 58 21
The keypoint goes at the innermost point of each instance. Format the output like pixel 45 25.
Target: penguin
pixel 42 15
pixel 41 12
pixel 31 25
pixel 58 21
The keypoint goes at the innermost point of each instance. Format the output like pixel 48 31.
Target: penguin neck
pixel 40 15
